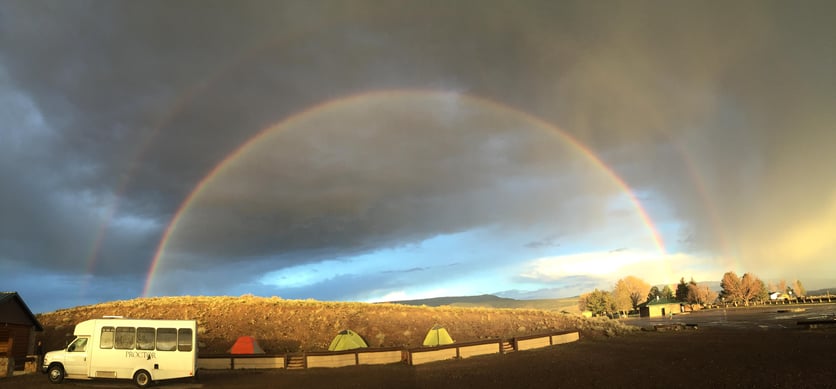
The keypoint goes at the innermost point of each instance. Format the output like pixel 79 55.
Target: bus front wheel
pixel 142 379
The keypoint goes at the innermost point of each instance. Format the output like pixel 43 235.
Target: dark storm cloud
pixel 381 172
pixel 132 103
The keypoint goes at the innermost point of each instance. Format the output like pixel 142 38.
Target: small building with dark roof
pixel 17 329
pixel 659 307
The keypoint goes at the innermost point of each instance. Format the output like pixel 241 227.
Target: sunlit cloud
pixel 810 239
pixel 597 263
pixel 400 295
pixel 653 267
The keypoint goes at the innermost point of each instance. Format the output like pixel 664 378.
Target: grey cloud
pixel 410 270
pixel 549 241
pixel 139 101
pixel 386 171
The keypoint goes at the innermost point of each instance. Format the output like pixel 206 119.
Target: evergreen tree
pixel 682 291
pixel 654 292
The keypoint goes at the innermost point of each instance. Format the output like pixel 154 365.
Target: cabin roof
pixel 14 297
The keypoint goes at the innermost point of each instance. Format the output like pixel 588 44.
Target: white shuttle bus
pixel 141 350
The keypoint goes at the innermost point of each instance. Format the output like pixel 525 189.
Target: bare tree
pixel 750 288
pixel 782 287
pixel 712 296
pixel 731 288
pixel 799 289
pixel 693 295
pixel 630 291
pixel 621 297
pixel 700 295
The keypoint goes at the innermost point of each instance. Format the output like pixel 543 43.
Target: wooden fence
pixel 379 356
pixel 804 300
pixel 417 356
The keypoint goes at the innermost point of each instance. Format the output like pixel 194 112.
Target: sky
pixel 390 150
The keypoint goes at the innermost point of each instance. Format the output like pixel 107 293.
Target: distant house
pixel 17 329
pixel 659 307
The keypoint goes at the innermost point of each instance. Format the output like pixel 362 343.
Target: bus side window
pixel 125 338
pixel 166 339
pixel 106 340
pixel 145 338
pixel 184 339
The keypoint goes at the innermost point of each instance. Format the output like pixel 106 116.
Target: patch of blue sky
pixel 453 253
pixel 477 261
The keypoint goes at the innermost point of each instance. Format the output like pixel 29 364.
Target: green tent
pixel 437 336
pixel 347 340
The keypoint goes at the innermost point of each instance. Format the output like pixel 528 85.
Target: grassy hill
pixel 283 326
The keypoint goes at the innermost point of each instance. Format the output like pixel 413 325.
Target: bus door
pixel 76 359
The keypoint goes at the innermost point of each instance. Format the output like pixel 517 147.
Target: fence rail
pixel 804 300
pixel 379 356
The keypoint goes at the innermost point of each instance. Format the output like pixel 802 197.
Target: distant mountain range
pixel 564 304
pixel 821 292
pixel 567 304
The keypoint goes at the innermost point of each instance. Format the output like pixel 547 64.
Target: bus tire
pixel 55 373
pixel 142 379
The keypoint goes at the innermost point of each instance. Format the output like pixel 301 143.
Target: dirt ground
pixel 707 357
pixel 761 348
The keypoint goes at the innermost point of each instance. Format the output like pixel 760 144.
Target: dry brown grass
pixel 307 325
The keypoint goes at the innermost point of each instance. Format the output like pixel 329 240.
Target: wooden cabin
pixel 17 329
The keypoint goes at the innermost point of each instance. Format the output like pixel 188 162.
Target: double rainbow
pixel 327 106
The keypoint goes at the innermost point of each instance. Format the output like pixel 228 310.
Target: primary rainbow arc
pixel 325 106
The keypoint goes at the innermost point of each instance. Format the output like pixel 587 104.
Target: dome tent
pixel 437 336
pixel 246 345
pixel 347 340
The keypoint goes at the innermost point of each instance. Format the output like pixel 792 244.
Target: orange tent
pixel 246 345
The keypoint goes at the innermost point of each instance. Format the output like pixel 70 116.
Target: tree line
pixel 629 292
pixel 750 289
